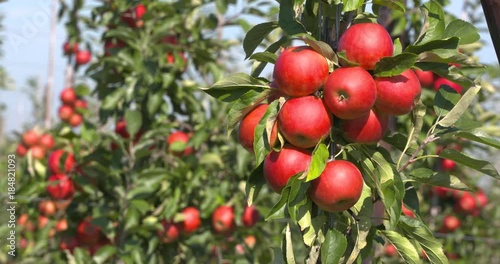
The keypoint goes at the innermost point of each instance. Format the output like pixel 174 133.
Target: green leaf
pixel 256 35
pixel 242 106
pixel 132 218
pixel 392 66
pixel 287 246
pixel 104 253
pixel 111 101
pixel 403 245
pixel 319 46
pixel 221 6
pixel 432 177
pixel 439 44
pixel 459 109
pixel 264 56
pixel 263 131
pixel 297 196
pixel 287 20
pixel 434 26
pixel 254 183
pixel 133 118
pixel 154 102
pixel 476 164
pixel 392 4
pixel 414 229
pixel 309 226
pixel 211 158
pixel 258 67
pixel 462 29
pixel 233 87
pixel 351 5
pixel 318 162
pixel 334 247
pixel 363 227
pixel 480 137
pixel 279 210
pixel 398 47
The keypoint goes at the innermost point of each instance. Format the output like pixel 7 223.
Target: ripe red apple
pixel 300 71
pixel 47 141
pixel 38 152
pixel 60 186
pixel 366 44
pixel 21 150
pixel 338 187
pixel 448 164
pixel 68 243
pixel 83 57
pixel 171 57
pixel 191 220
pixel 440 81
pixel 61 225
pixel 481 198
pixel 450 224
pixel 112 44
pixel 281 166
pixel 250 216
pixel 54 162
pixel 390 250
pixel 75 120
pixel 121 128
pixel 466 204
pixel 441 192
pixel 68 96
pixel 367 129
pixel 169 233
pixel 87 232
pixel 250 241
pixel 304 121
pixel 80 104
pixel 426 78
pixel 247 126
pixel 42 221
pixel 350 92
pixel 398 95
pixel 47 207
pixel 223 220
pixel 30 138
pixel 69 48
pixel 133 17
pixel 407 211
pixel 65 112
pixel 179 137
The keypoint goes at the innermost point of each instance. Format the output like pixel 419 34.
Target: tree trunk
pixel 491 10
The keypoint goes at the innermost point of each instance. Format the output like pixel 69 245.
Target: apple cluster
pixel 36 144
pixel 222 221
pixel 428 79
pixel 81 56
pixel 72 107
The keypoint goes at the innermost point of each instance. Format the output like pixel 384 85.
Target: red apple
pixel 365 44
pixel 133 17
pixel 482 199
pixel 398 95
pixel 390 250
pixel 110 44
pixel 171 58
pixel 178 138
pixel 42 221
pixel 121 129
pixel 21 150
pixel 61 225
pixel 223 220
pixel 30 138
pixel 367 129
pixel 466 204
pixel 47 141
pixel 281 166
pixel 304 121
pixel 450 224
pixel 169 233
pixel 448 164
pixel 60 186
pixel 426 78
pixel 80 104
pixel 69 48
pixel 338 187
pixel 47 207
pixel 54 161
pixel 87 232
pixel 25 223
pixel 83 57
pixel 250 216
pixel 350 92
pixel 68 243
pixel 191 220
pixel 38 152
pixel 441 192
pixel 300 71
pixel 68 96
pixel 250 241
pixel 75 120
pixel 170 39
pixel 65 112
pixel 247 126
pixel 407 211
pixel 440 81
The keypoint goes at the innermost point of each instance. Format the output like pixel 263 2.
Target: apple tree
pixel 348 97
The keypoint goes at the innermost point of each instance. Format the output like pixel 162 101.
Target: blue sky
pixel 26 45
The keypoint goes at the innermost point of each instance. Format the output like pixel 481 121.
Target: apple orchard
pixel 356 135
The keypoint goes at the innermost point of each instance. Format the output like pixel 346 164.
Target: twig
pixel 412 159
